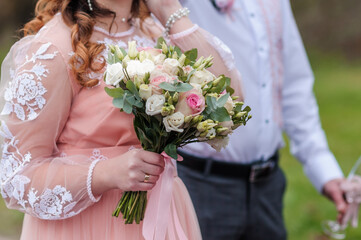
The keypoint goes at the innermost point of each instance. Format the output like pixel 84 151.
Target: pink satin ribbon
pixel 160 207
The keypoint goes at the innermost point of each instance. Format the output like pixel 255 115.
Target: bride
pixel 68 154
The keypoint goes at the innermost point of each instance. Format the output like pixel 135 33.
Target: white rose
pixel 174 122
pixel 171 65
pixel 154 104
pixel 114 74
pixel 145 91
pixel 218 143
pixel 229 105
pixel 133 67
pixel 137 68
pixel 147 66
pixel 201 77
pixel 159 59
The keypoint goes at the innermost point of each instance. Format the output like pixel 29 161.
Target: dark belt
pixel 255 171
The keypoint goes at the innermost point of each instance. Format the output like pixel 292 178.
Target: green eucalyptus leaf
pixel 127 107
pixel 183 87
pixel 133 89
pixel 220 115
pixel 118 102
pixel 171 150
pixel 222 100
pixel 114 92
pixel 211 102
pixel 167 86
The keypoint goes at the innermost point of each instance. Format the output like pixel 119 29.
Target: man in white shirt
pixel 238 192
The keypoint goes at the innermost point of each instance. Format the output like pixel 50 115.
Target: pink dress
pixel 54 132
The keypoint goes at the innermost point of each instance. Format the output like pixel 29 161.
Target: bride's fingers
pixel 148 178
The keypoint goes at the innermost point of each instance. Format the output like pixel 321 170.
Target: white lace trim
pixel 24 95
pixel 52 203
pixel 12 161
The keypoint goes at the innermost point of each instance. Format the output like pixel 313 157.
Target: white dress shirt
pixel 277 83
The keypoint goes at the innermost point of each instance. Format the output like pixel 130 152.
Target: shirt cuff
pixel 321 169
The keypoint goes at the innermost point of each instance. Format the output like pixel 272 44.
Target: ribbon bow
pixel 160 206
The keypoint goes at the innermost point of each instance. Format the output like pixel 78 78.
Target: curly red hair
pixel 77 15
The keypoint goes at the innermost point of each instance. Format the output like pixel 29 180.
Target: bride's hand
pixel 127 172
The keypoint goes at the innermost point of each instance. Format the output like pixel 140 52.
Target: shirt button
pixel 261 49
pixel 252 15
pixel 266 121
pixel 264 85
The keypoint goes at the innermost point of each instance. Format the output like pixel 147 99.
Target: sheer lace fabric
pixel 53 131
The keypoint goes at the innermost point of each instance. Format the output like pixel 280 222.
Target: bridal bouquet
pixel 175 101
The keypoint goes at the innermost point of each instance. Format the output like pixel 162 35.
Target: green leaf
pixel 133 89
pixel 220 86
pixel 123 51
pixel 171 150
pixel 190 74
pixel 222 100
pixel 114 92
pixel 111 58
pixel 167 86
pixel 211 102
pixel 127 107
pixel 118 102
pixel 179 52
pixel 183 87
pixel 191 56
pixel 159 42
pixel 220 115
pixel 230 90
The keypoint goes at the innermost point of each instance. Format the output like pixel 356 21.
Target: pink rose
pixel 158 79
pixel 190 103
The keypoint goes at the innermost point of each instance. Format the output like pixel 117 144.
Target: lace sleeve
pixel 36 99
pixel 207 44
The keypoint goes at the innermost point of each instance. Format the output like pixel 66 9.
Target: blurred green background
pixel 331 30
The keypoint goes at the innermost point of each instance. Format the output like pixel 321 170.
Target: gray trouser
pixel 234 208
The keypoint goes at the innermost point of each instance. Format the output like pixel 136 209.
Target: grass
pixel 338 90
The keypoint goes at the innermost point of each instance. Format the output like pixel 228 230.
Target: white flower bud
pixel 145 91
pixel 132 49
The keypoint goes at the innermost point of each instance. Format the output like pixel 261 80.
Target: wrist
pixel 165 11
pixel 100 181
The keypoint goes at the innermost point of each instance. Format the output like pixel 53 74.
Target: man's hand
pixel 332 190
